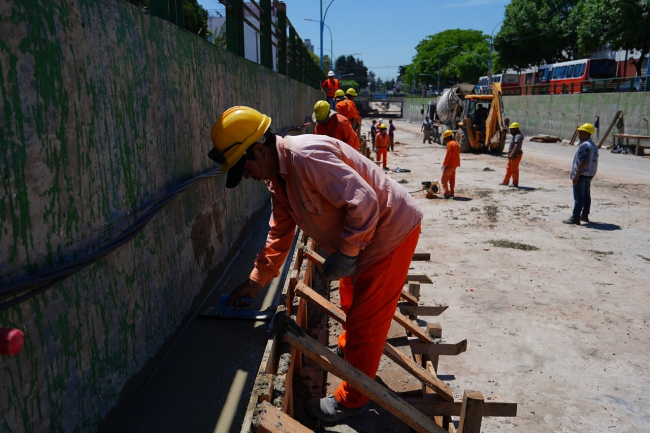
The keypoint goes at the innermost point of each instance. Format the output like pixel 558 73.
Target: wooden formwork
pixel 271 407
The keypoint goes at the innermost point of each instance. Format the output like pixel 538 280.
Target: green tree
pixel 194 15
pixel 624 24
pixel 349 65
pixel 347 84
pixel 449 46
pixel 536 32
pixel 327 63
pixel 372 82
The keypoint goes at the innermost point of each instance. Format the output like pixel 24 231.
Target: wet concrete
pixel 205 380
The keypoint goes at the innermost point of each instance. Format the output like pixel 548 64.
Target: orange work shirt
pixel 331 85
pixel 382 141
pixel 452 158
pixel 353 113
pixel 338 197
pixel 343 108
pixel 339 127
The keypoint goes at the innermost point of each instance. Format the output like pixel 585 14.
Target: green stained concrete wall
pixel 413 107
pixel 559 115
pixel 103 110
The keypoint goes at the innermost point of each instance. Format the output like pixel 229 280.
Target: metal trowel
pixel 224 311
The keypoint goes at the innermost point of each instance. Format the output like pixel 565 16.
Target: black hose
pixel 42 282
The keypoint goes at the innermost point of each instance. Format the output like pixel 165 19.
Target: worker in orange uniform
pixel 334 125
pixel 353 113
pixel 365 220
pixel 514 156
pixel 341 102
pixel 382 143
pixel 331 85
pixel 452 161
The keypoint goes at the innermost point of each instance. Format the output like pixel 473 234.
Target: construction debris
pixel 542 138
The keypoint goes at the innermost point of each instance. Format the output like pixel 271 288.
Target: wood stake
pixel 471 413
pixel 611 126
pixel 434 405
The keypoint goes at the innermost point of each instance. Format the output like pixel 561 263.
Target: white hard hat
pixel 330 74
pixel 381 120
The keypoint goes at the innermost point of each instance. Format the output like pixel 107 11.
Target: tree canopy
pixel 327 63
pixel 463 56
pixel 194 15
pixel 349 65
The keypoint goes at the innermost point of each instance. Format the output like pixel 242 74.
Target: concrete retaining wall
pixel 105 109
pixel 559 115
pixel 413 108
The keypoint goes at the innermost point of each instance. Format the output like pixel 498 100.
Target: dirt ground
pixel 561 328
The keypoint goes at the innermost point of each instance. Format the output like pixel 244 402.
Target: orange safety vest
pixel 382 141
pixel 331 85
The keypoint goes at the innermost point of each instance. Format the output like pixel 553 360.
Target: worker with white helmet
pixel 364 219
pixel 331 85
pixel 585 165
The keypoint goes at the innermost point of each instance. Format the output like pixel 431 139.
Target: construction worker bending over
pixel 334 125
pixel 367 222
pixel 341 104
pixel 353 114
pixel 451 162
pixel 585 165
pixel 382 142
pixel 331 85
pixel 514 156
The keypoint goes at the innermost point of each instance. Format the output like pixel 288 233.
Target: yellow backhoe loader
pixel 482 126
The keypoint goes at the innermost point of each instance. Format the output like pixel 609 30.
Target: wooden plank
pixel 273 420
pixel 421 257
pixel 419 277
pixel 433 405
pixel 412 327
pixel 337 314
pixel 314 257
pixel 414 289
pixel 409 298
pixel 443 389
pixel 471 413
pixel 435 331
pixel 407 308
pixel 437 349
pixel 373 390
pixel 611 126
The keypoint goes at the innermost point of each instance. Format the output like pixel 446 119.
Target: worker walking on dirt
pixel 334 125
pixel 366 221
pixel 451 162
pixel 353 113
pixel 514 156
pixel 331 85
pixel 391 134
pixel 427 127
pixel 585 165
pixel 382 142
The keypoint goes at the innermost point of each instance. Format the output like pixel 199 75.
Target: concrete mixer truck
pixel 477 120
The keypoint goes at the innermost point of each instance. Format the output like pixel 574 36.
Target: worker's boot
pixel 329 409
pixel 572 220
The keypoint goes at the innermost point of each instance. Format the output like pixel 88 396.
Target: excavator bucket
pixel 495 121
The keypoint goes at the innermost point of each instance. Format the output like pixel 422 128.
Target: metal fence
pixel 628 84
pixel 277 45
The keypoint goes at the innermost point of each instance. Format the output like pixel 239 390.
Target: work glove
pixel 338 265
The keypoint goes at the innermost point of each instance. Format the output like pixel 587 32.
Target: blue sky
pixel 386 32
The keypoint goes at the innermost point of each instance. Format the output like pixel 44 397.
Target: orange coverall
pixel 339 127
pixel 513 169
pixel 382 142
pixel 452 160
pixel 346 203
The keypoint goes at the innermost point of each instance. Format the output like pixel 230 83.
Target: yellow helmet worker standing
pixel 585 165
pixel 514 156
pixel 450 164
pixel 353 113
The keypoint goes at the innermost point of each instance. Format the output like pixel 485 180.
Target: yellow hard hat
pixel 447 133
pixel 514 125
pixel 233 132
pixel 351 92
pixel 339 93
pixel 588 128
pixel 383 126
pixel 321 112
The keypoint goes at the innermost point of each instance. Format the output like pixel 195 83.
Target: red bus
pixel 581 75
pixel 506 80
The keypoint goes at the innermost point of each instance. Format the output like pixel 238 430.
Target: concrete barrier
pixel 559 115
pixel 105 109
pixel 413 109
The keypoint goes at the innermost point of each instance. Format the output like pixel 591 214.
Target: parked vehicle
pixel 482 126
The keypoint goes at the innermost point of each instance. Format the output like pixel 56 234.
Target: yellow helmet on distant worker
pixel 339 93
pixel 447 133
pixel 514 125
pixel 321 112
pixel 383 126
pixel 588 128
pixel 233 133
pixel 351 92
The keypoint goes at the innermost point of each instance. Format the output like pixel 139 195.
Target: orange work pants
pixel 448 181
pixel 370 304
pixel 382 151
pixel 513 170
